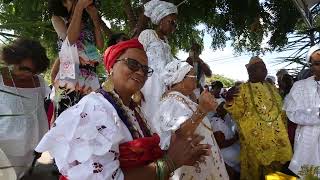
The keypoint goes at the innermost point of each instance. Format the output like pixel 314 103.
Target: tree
pixel 227 82
pixel 244 22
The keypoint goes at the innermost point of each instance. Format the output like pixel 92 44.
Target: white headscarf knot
pixel 157 10
pixel 175 72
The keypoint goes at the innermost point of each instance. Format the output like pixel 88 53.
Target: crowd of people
pixel 154 117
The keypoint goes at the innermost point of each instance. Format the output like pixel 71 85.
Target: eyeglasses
pixel 191 76
pixel 316 63
pixel 134 65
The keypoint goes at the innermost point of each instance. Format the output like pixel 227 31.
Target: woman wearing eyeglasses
pixel 78 22
pixel 178 113
pixel 23 119
pixel 105 136
pixel 163 15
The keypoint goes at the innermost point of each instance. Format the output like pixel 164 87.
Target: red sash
pixel 138 152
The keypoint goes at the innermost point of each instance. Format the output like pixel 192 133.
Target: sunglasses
pixel 317 63
pixel 191 76
pixel 134 65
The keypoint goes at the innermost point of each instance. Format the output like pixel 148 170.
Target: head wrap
pixel 175 72
pixel 157 10
pixel 272 78
pixel 254 60
pixel 113 52
pixel 311 51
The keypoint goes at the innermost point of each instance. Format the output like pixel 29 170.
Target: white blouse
pixel 174 110
pixel 159 55
pixel 302 106
pixel 85 140
pixel 19 135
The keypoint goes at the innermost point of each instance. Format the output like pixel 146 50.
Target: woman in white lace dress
pixel 178 113
pixel 105 136
pixel 155 42
pixel 19 135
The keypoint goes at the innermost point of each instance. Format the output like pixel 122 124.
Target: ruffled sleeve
pixel 171 115
pixel 238 107
pixel 302 104
pixel 85 140
pixel 146 37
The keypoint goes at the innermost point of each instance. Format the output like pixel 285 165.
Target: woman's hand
pixel 187 151
pixel 207 102
pixel 232 93
pixel 84 3
pixel 93 12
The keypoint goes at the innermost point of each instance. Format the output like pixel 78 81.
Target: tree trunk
pixel 142 22
pixel 130 14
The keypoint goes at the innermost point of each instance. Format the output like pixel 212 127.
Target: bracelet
pixel 198 113
pixel 171 165
pixel 161 168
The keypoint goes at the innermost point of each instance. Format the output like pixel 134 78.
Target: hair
pixel 217 84
pixel 196 47
pixel 56 8
pixel 22 49
pixel 114 38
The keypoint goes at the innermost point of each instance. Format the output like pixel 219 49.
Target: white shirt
pixel 302 107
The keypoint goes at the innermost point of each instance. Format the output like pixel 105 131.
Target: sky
pixel 225 62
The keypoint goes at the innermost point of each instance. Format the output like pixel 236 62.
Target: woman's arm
pixel 55 70
pixel 93 12
pixel 221 140
pixel 74 28
pixel 190 125
pixel 145 172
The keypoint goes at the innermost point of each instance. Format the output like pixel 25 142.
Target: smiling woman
pixel 110 138
pixel 20 134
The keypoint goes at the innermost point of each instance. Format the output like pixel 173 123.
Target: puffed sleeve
pixel 171 115
pixel 84 140
pixel 298 107
pixel 146 37
pixel 238 106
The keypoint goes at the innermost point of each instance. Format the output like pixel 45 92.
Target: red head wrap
pixel 113 52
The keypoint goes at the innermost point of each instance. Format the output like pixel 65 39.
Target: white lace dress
pixel 85 140
pixel 19 135
pixel 174 110
pixel 159 55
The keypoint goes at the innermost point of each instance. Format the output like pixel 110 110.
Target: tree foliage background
pixel 246 23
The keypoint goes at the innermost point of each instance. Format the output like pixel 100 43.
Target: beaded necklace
pixel 127 115
pixel 274 101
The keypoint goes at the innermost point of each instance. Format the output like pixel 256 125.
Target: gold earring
pixel 137 97
pixel 108 85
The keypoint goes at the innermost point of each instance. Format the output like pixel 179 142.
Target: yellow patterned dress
pixel 262 129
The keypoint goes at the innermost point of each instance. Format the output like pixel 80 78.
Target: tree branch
pixel 130 14
pixel 106 30
pixel 142 22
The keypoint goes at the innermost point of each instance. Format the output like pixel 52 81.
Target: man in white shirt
pixel 302 106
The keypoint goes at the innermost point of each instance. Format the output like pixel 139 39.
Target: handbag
pixel 69 61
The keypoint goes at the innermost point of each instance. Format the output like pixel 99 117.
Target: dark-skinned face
pixel 257 72
pixel 315 63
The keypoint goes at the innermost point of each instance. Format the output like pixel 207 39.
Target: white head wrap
pixel 157 10
pixel 311 51
pixel 175 72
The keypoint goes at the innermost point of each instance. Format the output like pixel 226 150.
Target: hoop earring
pixel 108 85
